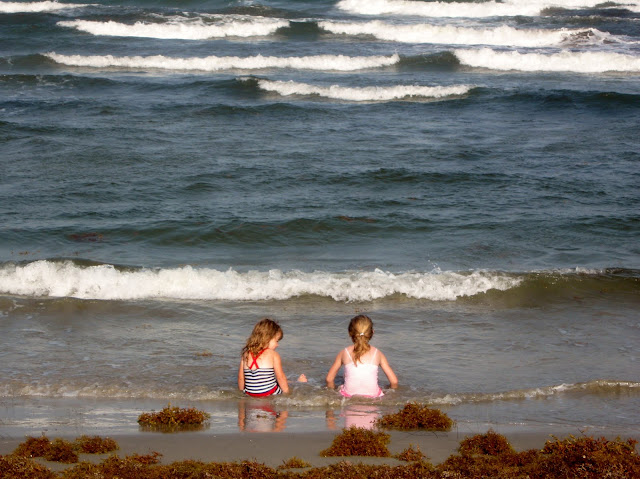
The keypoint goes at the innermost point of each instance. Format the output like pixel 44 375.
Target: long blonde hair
pixel 361 332
pixel 262 333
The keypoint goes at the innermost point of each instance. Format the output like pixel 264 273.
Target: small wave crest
pixel 36 7
pixel 365 94
pixel 312 396
pixel 183 28
pixel 68 279
pixel 215 63
pixel 438 9
pixel 448 34
pixel 96 390
pixel 508 8
pixel 565 61
pixel 598 386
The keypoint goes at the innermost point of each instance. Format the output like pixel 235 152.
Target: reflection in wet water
pixel 260 415
pixel 359 415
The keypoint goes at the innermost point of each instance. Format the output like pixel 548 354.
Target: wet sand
pixel 273 449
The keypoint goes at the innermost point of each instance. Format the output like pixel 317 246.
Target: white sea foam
pixel 77 388
pixel 598 386
pixel 565 61
pixel 311 396
pixel 460 9
pixel 214 63
pixel 447 34
pixel 66 279
pixel 372 93
pixel 28 7
pixel 183 28
pixel 437 9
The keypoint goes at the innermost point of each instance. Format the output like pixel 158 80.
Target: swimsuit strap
pixel 347 351
pixel 255 358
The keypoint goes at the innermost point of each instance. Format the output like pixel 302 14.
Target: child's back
pixel 361 362
pixel 362 378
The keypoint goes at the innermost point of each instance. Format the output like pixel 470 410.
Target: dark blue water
pixel 446 167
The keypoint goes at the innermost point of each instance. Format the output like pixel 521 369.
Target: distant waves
pixel 508 8
pixel 33 7
pixel 373 93
pixel 566 61
pixel 199 28
pixel 203 27
pixel 216 63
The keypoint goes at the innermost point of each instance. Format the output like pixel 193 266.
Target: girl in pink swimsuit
pixel 361 362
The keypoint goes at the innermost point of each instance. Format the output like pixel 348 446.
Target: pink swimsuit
pixel 361 380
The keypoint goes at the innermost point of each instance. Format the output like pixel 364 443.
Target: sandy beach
pixel 273 449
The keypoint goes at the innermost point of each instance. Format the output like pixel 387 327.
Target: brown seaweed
pixel 171 419
pixel 356 441
pixel 95 445
pixel 294 463
pixel 410 454
pixel 414 416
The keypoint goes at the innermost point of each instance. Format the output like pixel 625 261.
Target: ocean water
pixel 466 173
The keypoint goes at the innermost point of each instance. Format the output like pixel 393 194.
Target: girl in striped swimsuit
pixel 260 373
pixel 361 362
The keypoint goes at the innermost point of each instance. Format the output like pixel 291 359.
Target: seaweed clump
pixel 134 466
pixel 356 441
pixel 410 454
pixel 95 445
pixel 171 419
pixel 19 467
pixel 61 451
pixel 294 463
pixel 33 447
pixel 58 450
pixel 416 416
pixel 349 470
pixel 587 457
pixel 64 451
pixel 490 455
pixel 491 444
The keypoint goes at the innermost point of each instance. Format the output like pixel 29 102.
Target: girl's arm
pixel 280 376
pixel 241 375
pixel 391 376
pixel 333 370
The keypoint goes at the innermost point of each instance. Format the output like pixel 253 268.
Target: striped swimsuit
pixel 260 382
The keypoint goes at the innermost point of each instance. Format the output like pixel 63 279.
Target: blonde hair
pixel 361 332
pixel 262 333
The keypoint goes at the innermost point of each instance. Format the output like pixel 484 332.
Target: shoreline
pixel 273 449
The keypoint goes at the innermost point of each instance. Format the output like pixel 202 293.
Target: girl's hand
pixel 302 378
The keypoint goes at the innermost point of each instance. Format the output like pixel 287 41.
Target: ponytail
pixel 361 332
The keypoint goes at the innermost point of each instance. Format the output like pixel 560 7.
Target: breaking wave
pixel 565 61
pixel 35 7
pixel 364 94
pixel 183 28
pixel 447 34
pixel 67 279
pixel 215 63
pixel 460 9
